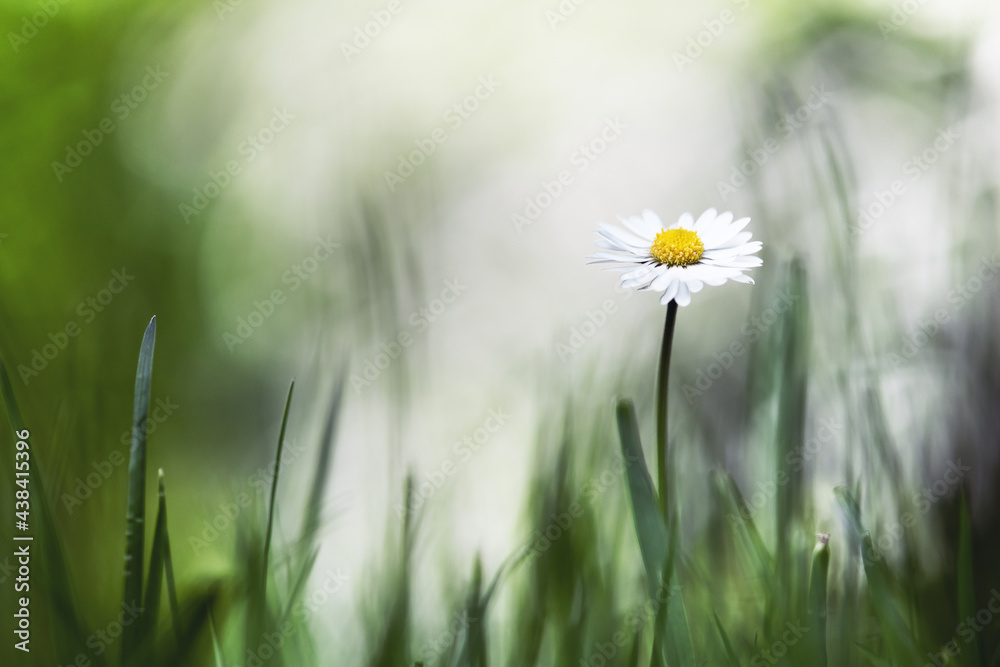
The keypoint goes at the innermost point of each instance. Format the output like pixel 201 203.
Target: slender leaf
pixel 135 522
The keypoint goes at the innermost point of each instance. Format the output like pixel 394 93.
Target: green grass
pixel 735 597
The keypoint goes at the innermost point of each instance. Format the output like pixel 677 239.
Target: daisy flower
pixel 681 259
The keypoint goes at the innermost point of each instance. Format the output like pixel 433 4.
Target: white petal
pixel 694 285
pixel 624 237
pixel 652 221
pixel 741 278
pixel 709 275
pixel 670 292
pixel 662 281
pixel 744 262
pixel 639 227
pixel 611 257
pixel 719 237
pixel 686 221
pixel 640 278
pixel 738 239
pixel 716 228
pixel 704 219
pixel 683 297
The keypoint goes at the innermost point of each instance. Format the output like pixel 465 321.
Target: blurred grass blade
pixel 257 612
pixel 966 584
pixel 633 658
pixel 299 585
pixel 311 521
pixel 755 555
pixel 734 661
pixel 818 600
pixel 135 521
pixel 220 661
pixel 9 400
pixel 274 481
pixel 674 624
pixel 898 637
pixel 873 657
pixel 794 333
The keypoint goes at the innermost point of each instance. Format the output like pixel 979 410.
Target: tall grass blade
pixel 966 584
pixel 154 580
pixel 727 645
pixel 311 521
pixel 654 543
pixel 259 565
pixel 649 525
pixel 135 521
pixel 269 531
pixel 817 604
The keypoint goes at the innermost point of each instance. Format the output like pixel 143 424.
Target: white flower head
pixel 681 259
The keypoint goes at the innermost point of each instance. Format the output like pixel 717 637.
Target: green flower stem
pixel 661 407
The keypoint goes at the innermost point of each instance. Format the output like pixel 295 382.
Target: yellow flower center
pixel 677 247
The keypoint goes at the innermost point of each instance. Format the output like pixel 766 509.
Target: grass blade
pixel 154 581
pixel 649 526
pixel 734 661
pixel 274 481
pixel 654 541
pixel 818 600
pixel 257 613
pixel 310 523
pixel 135 521
pixel 966 584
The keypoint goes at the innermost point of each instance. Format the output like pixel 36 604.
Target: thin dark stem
pixel 662 382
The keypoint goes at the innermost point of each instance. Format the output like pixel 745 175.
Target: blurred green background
pixel 400 197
